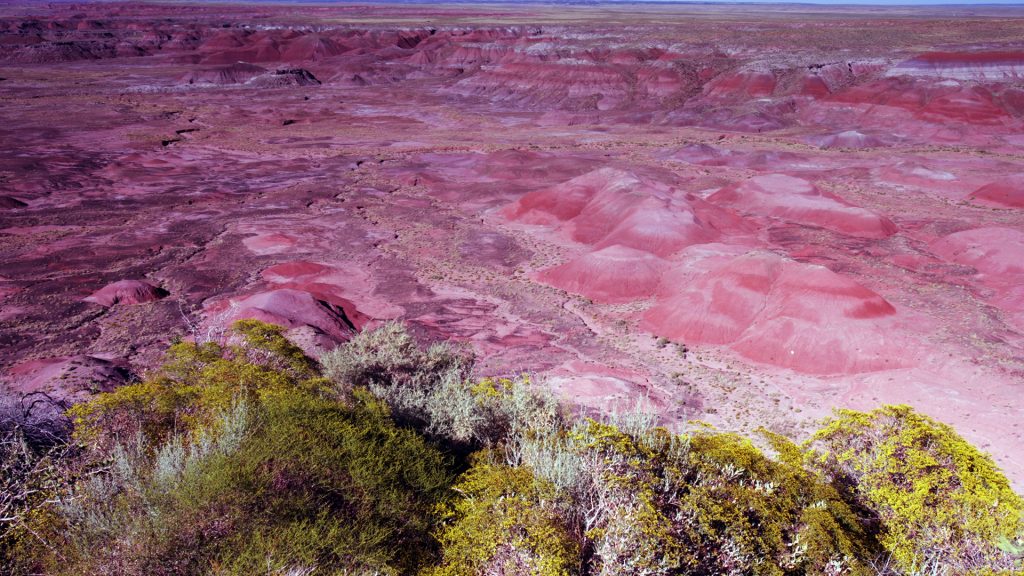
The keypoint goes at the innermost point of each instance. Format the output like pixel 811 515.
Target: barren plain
pixel 744 216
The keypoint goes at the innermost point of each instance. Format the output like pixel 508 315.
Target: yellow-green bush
pixel 196 382
pixel 711 503
pixel 627 528
pixel 432 390
pixel 251 466
pixel 944 505
pixel 31 476
pixel 506 522
pixel 771 515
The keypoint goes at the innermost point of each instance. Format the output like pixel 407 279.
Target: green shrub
pixel 388 362
pixel 767 516
pixel 196 382
pixel 650 502
pixel 294 480
pixel 31 477
pixel 507 522
pixel 433 389
pixel 253 469
pixel 944 506
pixel 388 358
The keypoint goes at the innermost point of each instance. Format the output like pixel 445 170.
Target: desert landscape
pixel 742 218
pixel 462 289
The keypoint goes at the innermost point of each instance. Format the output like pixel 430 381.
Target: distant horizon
pixel 879 3
pixel 887 3
pixel 836 3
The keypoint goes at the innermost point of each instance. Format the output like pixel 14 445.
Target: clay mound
pixel 741 85
pixel 566 200
pixel 41 391
pixel 703 154
pixel 847 139
pixel 659 228
pixel 569 84
pixel 126 292
pixel 970 104
pixel 1008 192
pixel 821 80
pixel 225 39
pixel 609 207
pixel 799 201
pixel 784 313
pixel 311 47
pixel 237 45
pixel 10 202
pixel 291 308
pixel 640 216
pixel 610 275
pixel 759 160
pixel 236 73
pixel 288 271
pixel 334 286
pixel 68 378
pixel 993 251
pixel 941 103
pixel 284 78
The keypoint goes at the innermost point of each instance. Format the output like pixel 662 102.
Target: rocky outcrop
pixel 126 292
pixel 283 78
pixel 236 73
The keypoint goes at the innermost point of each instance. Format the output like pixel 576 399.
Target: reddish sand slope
pixel 797 200
pixel 612 274
pixel 997 256
pixel 784 313
pixel 610 207
pixel 1008 192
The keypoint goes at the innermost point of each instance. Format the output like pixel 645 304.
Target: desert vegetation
pixel 246 457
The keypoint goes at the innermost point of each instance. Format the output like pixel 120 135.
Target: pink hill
pixel 566 200
pixel 291 308
pixel 70 378
pixel 797 200
pixel 236 73
pixel 748 84
pixel 1007 192
pixel 610 207
pixel 846 139
pixel 994 65
pixel 995 252
pixel 655 227
pixel 784 313
pixel 612 275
